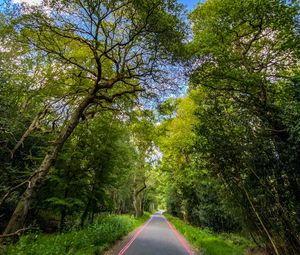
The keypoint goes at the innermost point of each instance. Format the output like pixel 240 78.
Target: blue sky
pixel 189 3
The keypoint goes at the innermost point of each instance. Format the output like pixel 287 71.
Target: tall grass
pixel 90 241
pixel 210 243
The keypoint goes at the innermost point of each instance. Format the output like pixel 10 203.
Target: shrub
pixel 90 241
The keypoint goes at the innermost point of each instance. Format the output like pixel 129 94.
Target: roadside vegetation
pixel 124 106
pixel 93 240
pixel 208 242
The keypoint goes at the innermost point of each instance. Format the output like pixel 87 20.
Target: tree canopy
pixel 83 134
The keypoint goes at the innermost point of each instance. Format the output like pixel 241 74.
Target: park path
pixel 156 237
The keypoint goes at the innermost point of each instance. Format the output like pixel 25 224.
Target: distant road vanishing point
pixel 156 237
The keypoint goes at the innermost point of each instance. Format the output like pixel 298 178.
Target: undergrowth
pixel 209 243
pixel 92 240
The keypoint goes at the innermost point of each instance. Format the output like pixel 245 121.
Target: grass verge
pixel 93 240
pixel 210 243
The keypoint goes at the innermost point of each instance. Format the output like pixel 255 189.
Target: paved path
pixel 156 237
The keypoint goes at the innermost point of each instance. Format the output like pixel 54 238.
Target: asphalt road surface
pixel 156 237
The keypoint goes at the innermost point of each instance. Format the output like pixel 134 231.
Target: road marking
pixel 125 248
pixel 179 237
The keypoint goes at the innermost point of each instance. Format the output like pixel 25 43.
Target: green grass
pixel 90 241
pixel 210 243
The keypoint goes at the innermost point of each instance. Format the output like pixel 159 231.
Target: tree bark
pixel 24 136
pixel 19 215
pixel 63 215
pixel 11 190
pixel 29 130
pixel 85 213
pixel 261 222
pixel 138 201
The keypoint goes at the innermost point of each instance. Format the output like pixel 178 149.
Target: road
pixel 156 237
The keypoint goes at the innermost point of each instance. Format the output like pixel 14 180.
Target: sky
pixel 28 1
pixel 189 3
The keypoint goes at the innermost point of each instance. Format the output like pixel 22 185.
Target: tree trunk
pixel 92 217
pixel 261 222
pixel 138 200
pixel 85 213
pixel 25 135
pixel 29 130
pixel 63 213
pixel 18 217
pixel 137 203
pixel 62 219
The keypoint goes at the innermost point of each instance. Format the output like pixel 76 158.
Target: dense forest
pixel 111 107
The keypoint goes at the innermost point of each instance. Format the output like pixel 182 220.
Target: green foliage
pixel 210 243
pixel 93 173
pixel 229 145
pixel 191 192
pixel 74 61
pixel 245 91
pixel 225 157
pixel 93 240
pixel 144 139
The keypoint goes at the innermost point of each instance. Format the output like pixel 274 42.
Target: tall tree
pixel 143 135
pixel 115 47
pixel 246 63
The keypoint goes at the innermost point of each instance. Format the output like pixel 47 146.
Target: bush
pixel 210 243
pixel 92 240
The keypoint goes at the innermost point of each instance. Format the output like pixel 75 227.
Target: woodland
pixel 112 107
